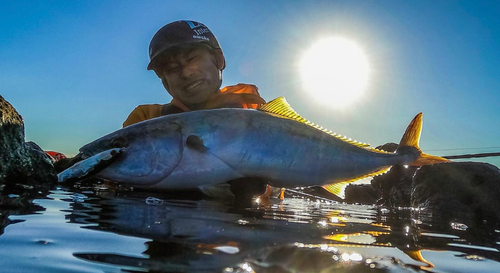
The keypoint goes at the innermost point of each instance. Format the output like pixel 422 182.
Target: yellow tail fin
pixel 417 256
pixel 411 139
pixel 408 144
pixel 427 159
pixel 412 134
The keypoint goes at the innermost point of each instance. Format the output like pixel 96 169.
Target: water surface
pixel 101 230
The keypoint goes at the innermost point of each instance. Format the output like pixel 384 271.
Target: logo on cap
pixel 194 24
pixel 198 28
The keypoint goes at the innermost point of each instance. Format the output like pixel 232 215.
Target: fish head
pixel 150 152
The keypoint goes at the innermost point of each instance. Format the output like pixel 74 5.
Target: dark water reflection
pixel 98 230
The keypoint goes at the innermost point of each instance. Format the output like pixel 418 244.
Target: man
pixel 188 59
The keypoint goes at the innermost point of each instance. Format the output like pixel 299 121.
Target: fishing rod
pixel 471 155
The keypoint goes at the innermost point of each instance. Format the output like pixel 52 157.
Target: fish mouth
pixel 79 168
pixel 83 155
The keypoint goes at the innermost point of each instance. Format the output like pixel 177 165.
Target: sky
pixel 75 69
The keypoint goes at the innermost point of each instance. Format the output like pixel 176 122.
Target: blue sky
pixel 75 69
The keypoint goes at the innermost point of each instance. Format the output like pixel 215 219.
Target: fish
pixel 207 147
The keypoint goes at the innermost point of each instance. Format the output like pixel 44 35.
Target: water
pixel 101 230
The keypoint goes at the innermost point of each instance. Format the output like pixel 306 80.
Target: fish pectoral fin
pixel 196 143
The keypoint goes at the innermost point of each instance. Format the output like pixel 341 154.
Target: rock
pixel 468 192
pixel 361 194
pixel 24 168
pixel 395 185
pixel 388 147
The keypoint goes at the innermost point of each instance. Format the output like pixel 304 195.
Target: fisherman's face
pixel 192 75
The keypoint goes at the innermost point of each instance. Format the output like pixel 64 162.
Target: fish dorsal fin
pixel 281 108
pixel 338 188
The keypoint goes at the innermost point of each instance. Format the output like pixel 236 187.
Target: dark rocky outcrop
pixel 468 192
pixel 361 194
pixel 25 170
pixel 395 186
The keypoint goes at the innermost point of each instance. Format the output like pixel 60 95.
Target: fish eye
pixel 119 142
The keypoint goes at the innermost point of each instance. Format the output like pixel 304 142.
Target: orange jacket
pixel 235 96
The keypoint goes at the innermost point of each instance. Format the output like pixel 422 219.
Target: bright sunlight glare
pixel 335 72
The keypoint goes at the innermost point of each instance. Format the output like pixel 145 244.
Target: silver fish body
pixel 207 147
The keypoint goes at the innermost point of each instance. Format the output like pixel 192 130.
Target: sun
pixel 335 72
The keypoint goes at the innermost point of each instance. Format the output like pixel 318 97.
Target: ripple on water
pixel 90 231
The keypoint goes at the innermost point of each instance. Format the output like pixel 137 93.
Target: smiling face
pixel 192 74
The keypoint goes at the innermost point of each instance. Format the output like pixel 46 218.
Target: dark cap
pixel 179 33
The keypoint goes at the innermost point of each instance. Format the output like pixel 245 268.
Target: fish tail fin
pixel 427 159
pixel 417 256
pixel 410 143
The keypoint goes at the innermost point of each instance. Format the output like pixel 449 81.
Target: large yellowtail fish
pixel 207 147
